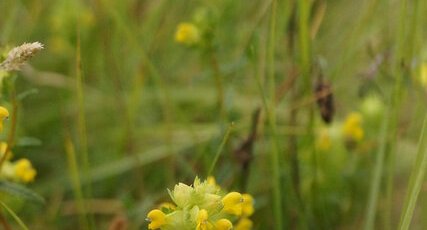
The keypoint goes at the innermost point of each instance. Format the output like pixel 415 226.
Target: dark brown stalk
pixel 244 154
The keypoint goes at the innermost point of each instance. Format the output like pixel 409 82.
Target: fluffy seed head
pixel 19 55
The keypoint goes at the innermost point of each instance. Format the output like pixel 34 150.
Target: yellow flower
pixel 24 171
pixel 247 205
pixel 233 203
pixel 244 224
pixel 202 220
pixel 3 147
pixel 4 114
pixel 157 219
pixel 223 224
pixel 187 33
pixel 352 128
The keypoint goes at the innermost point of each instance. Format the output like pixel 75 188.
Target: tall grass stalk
pixel 219 87
pixel 404 54
pixel 76 183
pixel 269 107
pixel 304 66
pixel 81 122
pixel 376 178
pixel 416 180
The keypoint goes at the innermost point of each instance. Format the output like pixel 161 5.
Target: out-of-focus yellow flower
pixel 352 128
pixel 157 219
pixel 4 114
pixel 323 140
pixel 187 33
pixel 223 224
pixel 244 224
pixel 247 205
pixel 3 147
pixel 24 171
pixel 233 203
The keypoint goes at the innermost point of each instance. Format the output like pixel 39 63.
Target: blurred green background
pixel 147 111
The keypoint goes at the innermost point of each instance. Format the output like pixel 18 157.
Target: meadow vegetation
pixel 265 114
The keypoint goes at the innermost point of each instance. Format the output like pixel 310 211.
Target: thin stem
pixel 221 147
pixel 219 85
pixel 416 180
pixel 376 179
pixel 270 110
pixel 81 123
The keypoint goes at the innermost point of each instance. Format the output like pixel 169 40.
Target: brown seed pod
pixel 325 101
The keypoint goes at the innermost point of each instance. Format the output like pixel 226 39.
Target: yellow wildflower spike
pixel 247 205
pixel 244 224
pixel 223 224
pixel 157 219
pixel 202 220
pixel 24 171
pixel 233 203
pixel 4 114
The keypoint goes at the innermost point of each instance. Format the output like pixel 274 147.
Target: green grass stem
pixel 376 178
pixel 416 180
pixel 221 147
pixel 76 184
pixel 14 215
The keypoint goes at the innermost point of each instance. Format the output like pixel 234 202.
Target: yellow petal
pixel 233 203
pixel 157 219
pixel 223 224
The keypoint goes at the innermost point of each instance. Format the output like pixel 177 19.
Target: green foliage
pixel 115 110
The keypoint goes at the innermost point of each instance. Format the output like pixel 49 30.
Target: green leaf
pixel 13 214
pixel 20 192
pixel 27 93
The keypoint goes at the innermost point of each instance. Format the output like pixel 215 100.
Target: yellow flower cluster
pixel 352 128
pixel 203 206
pixel 349 132
pixel 187 33
pixel 20 170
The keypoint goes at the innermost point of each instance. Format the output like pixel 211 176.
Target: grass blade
pixel 13 214
pixel 376 180
pixel 416 180
pixel 221 147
